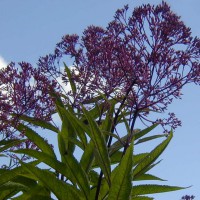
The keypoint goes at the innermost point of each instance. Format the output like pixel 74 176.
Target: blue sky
pixel 30 29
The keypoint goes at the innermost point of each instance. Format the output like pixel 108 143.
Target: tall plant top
pixel 136 65
pixel 142 59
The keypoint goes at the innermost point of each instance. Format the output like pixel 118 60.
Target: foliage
pixel 121 74
pixel 103 172
pixel 148 57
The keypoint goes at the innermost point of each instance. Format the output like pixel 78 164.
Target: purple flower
pixel 146 58
pixel 188 197
pixel 24 90
pixel 142 60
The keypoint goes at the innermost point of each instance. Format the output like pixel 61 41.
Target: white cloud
pixel 3 63
pixel 66 87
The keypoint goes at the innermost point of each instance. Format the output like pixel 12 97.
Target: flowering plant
pixel 120 74
pixel 104 171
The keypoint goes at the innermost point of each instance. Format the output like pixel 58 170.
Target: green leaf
pixel 58 103
pixel 33 196
pixel 6 194
pixel 9 175
pixel 124 120
pixel 36 139
pixel 150 138
pixel 152 189
pixel 122 181
pixel 142 198
pixel 9 143
pixel 71 169
pixel 151 166
pixel 38 192
pixel 139 157
pixel 114 159
pixel 147 177
pixel 108 122
pixel 62 145
pixel 93 100
pixel 27 181
pixel 39 122
pixel 71 81
pixel 99 108
pixel 117 156
pixel 94 177
pixel 104 189
pixel 101 151
pixel 140 134
pixel 76 123
pixel 60 189
pixel 12 185
pixel 87 157
pixel 118 144
pixel 151 157
pixel 65 144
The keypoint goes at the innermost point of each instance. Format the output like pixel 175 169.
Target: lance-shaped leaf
pixel 151 157
pixel 119 144
pixel 7 194
pixel 142 198
pixel 140 134
pixel 150 138
pixel 27 181
pixel 36 139
pixel 39 122
pixel 71 169
pixel 108 122
pixel 138 158
pixel 64 143
pixel 13 185
pixel 101 151
pixel 16 185
pixel 152 189
pixel 92 100
pixel 66 137
pixel 122 181
pixel 100 108
pixel 60 189
pixel 6 144
pixel 71 81
pixel 8 175
pixel 147 177
pixel 148 168
pixel 79 127
pixel 87 157
pixel 38 192
pixel 114 159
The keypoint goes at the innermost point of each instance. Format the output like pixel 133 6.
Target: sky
pixel 30 29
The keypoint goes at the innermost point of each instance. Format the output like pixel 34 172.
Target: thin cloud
pixel 3 63
pixel 66 87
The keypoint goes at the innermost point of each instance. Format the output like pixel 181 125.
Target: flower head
pixel 24 91
pixel 147 57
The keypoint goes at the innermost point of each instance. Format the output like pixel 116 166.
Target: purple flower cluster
pixel 24 91
pixel 143 61
pixel 146 58
pixel 188 197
